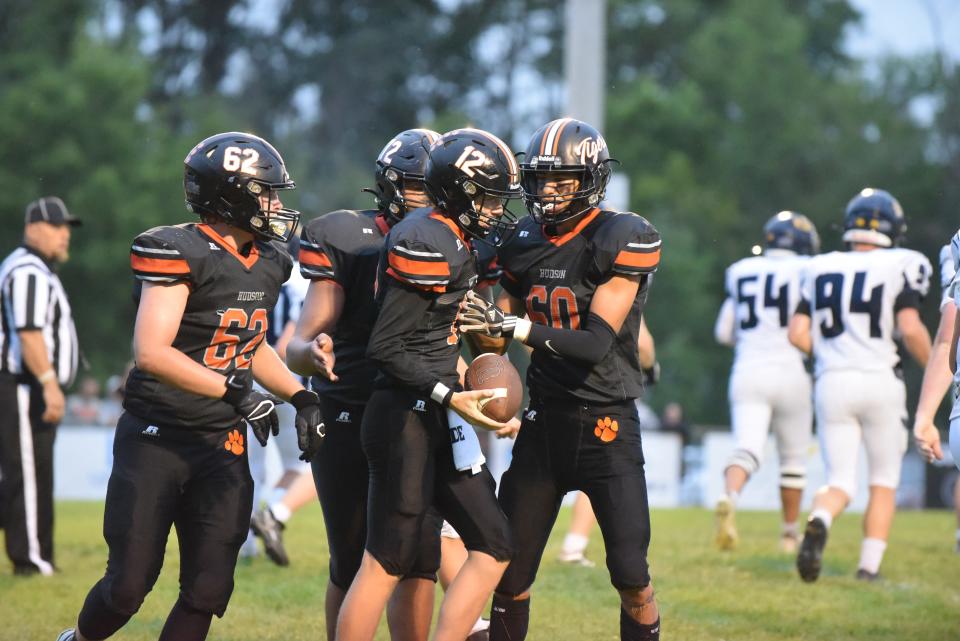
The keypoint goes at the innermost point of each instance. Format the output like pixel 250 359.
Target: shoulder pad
pixel 164 254
pixel 632 241
pixel 421 252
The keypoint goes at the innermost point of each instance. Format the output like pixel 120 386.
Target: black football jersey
pixel 426 268
pixel 344 246
pixel 223 324
pixel 556 276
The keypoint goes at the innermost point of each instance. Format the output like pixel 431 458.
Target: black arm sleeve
pixel 588 345
pixel 803 307
pixel 402 309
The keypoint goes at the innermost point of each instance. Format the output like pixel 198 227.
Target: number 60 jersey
pixel 852 298
pixel 556 277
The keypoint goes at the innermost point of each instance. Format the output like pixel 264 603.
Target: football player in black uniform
pixel 204 292
pixel 339 254
pixel 425 271
pixel 581 275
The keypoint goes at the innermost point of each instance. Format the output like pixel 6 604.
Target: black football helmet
pixel 468 169
pixel 565 146
pixel 874 217
pixel 226 175
pixel 794 231
pixel 402 159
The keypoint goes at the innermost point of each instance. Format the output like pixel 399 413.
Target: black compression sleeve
pixel 589 344
pixel 803 307
pixel 402 309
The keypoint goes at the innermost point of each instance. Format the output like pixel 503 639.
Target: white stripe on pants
pixel 29 472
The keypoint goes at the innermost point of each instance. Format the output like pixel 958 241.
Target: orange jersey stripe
pixel 428 288
pixel 314 258
pixel 418 267
pixel 159 265
pixel 632 259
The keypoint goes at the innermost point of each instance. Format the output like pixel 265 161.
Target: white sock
pixel 575 544
pixel 734 497
pixel 481 624
pixel 871 554
pixel 791 529
pixel 281 512
pixel 958 535
pixel 277 494
pixel 823 515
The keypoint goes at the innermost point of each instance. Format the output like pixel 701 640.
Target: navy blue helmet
pixel 874 217
pixel 792 230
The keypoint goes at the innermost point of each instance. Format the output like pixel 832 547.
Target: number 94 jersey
pixel 763 291
pixel 224 322
pixel 852 298
pixel 556 276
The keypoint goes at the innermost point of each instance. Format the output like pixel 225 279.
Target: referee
pixel 38 355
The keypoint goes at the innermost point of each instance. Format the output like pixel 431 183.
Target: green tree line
pixel 722 112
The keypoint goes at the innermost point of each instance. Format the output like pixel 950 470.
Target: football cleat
pixel 576 558
pixel 265 525
pixel 867 575
pixel 480 631
pixel 67 635
pixel 727 536
pixel 810 558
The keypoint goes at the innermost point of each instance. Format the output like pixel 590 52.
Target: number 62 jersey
pixel 853 297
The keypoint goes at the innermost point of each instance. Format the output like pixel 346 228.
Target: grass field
pixel 750 595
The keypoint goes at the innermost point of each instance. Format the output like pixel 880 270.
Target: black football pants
pixel 198 482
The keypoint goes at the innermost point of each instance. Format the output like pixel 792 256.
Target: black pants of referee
pixel 26 484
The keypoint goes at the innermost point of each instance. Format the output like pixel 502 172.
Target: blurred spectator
pixel 83 408
pixel 112 406
pixel 648 418
pixel 673 420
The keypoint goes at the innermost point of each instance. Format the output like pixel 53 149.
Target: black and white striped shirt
pixel 32 298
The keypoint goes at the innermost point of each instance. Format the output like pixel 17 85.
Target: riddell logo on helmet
pixel 590 148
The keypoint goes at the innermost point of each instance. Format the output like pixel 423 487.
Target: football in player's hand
pixel 492 371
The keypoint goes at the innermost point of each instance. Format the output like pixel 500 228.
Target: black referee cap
pixel 50 209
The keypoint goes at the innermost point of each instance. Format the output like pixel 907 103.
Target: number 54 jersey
pixel 556 278
pixel 852 298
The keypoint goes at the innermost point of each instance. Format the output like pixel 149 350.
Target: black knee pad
pixel 124 593
pixel 208 592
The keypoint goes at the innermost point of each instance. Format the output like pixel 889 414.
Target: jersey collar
pixel 565 238
pixel 436 215
pixel 247 261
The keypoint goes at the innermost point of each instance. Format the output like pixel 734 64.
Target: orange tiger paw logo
pixel 234 443
pixel 606 429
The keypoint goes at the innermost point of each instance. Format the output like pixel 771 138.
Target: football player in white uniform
pixel 937 376
pixel 853 303
pixel 769 385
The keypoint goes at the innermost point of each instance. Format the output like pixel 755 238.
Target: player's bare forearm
pixel 937 375
pixel 158 322
pixel 916 338
pixel 272 374
pixel 320 313
pixel 646 346
pixel 798 333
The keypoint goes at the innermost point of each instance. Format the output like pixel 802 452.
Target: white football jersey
pixel 763 291
pixel 287 309
pixel 948 272
pixel 853 297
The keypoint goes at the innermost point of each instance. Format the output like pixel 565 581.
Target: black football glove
pixel 309 422
pixel 651 375
pixel 257 408
pixel 478 315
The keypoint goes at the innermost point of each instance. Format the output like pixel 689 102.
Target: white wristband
pixel 47 376
pixel 439 393
pixel 522 330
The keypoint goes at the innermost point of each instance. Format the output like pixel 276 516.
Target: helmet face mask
pixel 562 150
pixel 472 176
pixel 874 217
pixel 235 177
pixel 400 166
pixel 792 231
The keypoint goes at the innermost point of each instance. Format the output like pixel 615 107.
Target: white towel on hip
pixel 467 454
